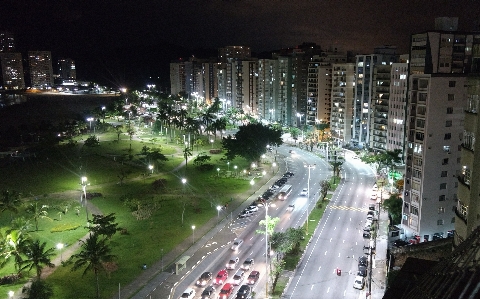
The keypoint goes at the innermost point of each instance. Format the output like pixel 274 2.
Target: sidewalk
pixel 164 280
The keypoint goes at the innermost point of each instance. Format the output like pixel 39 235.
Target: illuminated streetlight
pixel 228 166
pixel 218 172
pixel 10 294
pixel 151 168
pixel 211 141
pixel 193 235
pixel 84 184
pixel 235 168
pixel 60 247
pixel 273 167
pixel 218 211
pixel 264 173
pixel 252 182
pixel 90 119
pixel 184 181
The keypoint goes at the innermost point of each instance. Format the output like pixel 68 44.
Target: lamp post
pixel 90 119
pixel 273 167
pixel 300 123
pixel 228 166
pixel 60 247
pixel 252 182
pixel 151 168
pixel 193 235
pixel 84 188
pixel 184 181
pixel 10 294
pixel 218 212
pixel 235 167
pixel 309 166
pixel 211 141
pixel 267 253
pixel 218 172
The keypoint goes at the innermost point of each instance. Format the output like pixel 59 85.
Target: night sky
pixel 100 35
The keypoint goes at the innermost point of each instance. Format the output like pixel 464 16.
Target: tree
pixel 37 257
pixel 294 132
pixel 37 213
pixel 118 130
pixel 393 205
pixel 104 225
pixel 10 201
pixel 199 142
pixel 278 267
pixel 186 153
pixel 14 244
pixel 92 141
pixel 250 142
pixel 38 289
pixel 94 252
pixel 201 159
pixel 324 187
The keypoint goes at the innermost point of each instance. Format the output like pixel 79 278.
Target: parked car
pixel 226 291
pixel 366 234
pixel 252 209
pixel 370 217
pixel 400 243
pixel 290 208
pixel 363 261
pixel 248 263
pixel 236 244
pixel 371 207
pixel 362 271
pixel 359 282
pixel 208 293
pixel 253 277
pixel 245 214
pixel 238 277
pixel 304 192
pixel 188 294
pixel 289 173
pixel 232 264
pixel 222 276
pixel 204 279
pixel 244 292
pixel 437 236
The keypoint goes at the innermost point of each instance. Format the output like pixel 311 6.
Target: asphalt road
pixel 338 241
pixel 215 254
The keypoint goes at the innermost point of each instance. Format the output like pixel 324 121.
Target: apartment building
pixel 177 77
pixel 66 69
pixel 234 52
pixel 397 104
pixel 435 119
pixel 11 75
pixel 7 42
pixel 40 69
pixel 267 69
pixel 379 107
pixel 342 95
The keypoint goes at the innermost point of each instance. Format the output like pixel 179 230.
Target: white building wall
pixel 397 105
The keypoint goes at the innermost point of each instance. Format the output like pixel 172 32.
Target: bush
pixel 9 279
pixel 63 228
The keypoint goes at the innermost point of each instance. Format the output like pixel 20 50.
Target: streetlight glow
pixel 60 247
pixel 193 235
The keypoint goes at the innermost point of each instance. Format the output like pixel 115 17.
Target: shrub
pixel 9 279
pixel 63 228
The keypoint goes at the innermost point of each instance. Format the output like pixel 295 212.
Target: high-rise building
pixel 435 121
pixel 266 92
pixel 364 97
pixel 397 104
pixel 343 95
pixel 234 52
pixel 7 42
pixel 177 77
pixel 66 69
pixel 40 69
pixel 379 107
pixel 11 75
pixel 467 209
pixel 210 81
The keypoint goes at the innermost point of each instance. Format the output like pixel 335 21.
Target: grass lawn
pixel 151 213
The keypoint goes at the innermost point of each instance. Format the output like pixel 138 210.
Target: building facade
pixel 397 104
pixel 66 69
pixel 435 120
pixel 343 96
pixel 40 69
pixel 12 76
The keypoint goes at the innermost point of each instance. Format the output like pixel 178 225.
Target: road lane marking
pixel 311 288
pixel 319 268
pixel 325 252
pixel 328 290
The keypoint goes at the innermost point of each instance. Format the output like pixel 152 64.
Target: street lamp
pixel 218 172
pixel 103 113
pixel 252 182
pixel 235 167
pixel 10 294
pixel 90 119
pixel 84 188
pixel 151 168
pixel 264 173
pixel 273 167
pixel 309 166
pixel 60 247
pixel 218 211
pixel 211 141
pixel 228 166
pixel 193 235
pixel 184 181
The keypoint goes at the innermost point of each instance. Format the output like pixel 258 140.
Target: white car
pixel 290 208
pixel 236 244
pixel 252 208
pixel 304 192
pixel 359 282
pixel 188 294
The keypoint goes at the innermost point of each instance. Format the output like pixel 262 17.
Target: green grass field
pixel 151 216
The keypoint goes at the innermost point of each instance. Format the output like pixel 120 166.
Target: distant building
pixel 343 95
pixel 177 77
pixel 266 91
pixel 397 104
pixel 66 69
pixel 12 76
pixel 379 107
pixel 40 69
pixel 7 42
pixel 234 52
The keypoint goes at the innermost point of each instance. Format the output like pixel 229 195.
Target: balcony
pixel 460 215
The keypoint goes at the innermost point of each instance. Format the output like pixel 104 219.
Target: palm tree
pixel 94 253
pixel 10 201
pixel 37 213
pixel 37 257
pixel 186 153
pixel 14 245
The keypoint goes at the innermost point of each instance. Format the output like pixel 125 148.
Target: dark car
pixel 253 277
pixel 362 271
pixel 244 292
pixel 400 243
pixel 208 293
pixel 363 261
pixel 248 263
pixel 366 234
pixel 289 174
pixel 204 279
